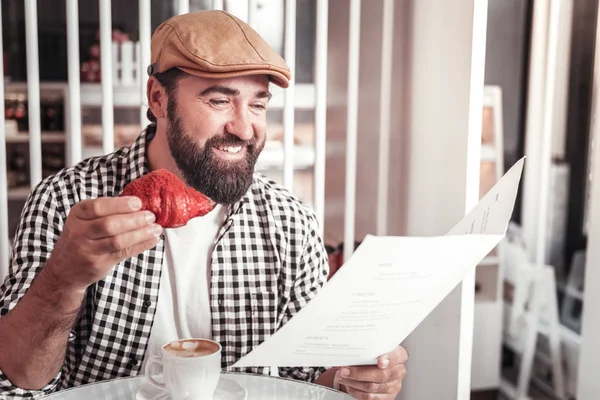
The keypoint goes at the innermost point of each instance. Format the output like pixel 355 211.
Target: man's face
pixel 216 129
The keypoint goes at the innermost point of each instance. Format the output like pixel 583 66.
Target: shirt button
pixel 132 363
pixel 147 304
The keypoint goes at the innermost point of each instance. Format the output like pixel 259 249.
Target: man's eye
pixel 259 107
pixel 218 103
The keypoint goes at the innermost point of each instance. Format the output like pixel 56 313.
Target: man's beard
pixel 225 182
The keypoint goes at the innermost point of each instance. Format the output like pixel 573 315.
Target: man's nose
pixel 240 125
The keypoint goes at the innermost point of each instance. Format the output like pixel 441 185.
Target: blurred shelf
pixel 271 157
pixel 47 137
pixel 21 87
pixel 18 193
pixel 123 96
pixel 130 96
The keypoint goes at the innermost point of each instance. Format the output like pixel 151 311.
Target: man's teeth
pixel 230 149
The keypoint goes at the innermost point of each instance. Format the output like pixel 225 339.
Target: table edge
pixel 142 376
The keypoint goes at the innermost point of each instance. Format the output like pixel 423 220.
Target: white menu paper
pixel 387 288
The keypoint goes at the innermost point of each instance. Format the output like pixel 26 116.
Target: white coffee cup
pixel 191 368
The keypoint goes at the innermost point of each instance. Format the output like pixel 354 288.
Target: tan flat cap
pixel 214 44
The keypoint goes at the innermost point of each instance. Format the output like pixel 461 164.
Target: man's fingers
pixel 360 395
pixel 116 224
pixel 367 373
pixel 105 206
pixel 121 243
pixel 135 250
pixel 372 373
pixel 367 387
pixel 397 356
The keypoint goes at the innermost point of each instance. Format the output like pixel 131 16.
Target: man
pixel 96 287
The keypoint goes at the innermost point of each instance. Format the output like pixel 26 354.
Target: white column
pixel 545 150
pixel 441 81
pixel 535 134
pixel 108 134
pixel 384 116
pixel 546 113
pixel 433 128
pixel 588 385
pixel 74 90
pixel 321 109
pixel 352 127
pixel 33 93
pixel 144 61
pixel 289 95
pixel 4 236
pixel 477 72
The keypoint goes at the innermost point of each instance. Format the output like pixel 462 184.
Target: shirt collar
pixel 137 160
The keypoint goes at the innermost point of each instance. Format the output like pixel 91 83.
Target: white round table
pixel 256 387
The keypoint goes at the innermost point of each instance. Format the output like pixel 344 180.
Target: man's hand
pixel 382 381
pixel 98 234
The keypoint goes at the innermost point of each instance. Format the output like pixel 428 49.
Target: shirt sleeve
pixel 39 228
pixel 313 270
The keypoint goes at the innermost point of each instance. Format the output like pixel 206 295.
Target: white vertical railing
pixel 384 115
pixel 321 110
pixel 545 152
pixel 144 61
pixel 289 95
pixel 4 235
pixel 352 127
pixel 473 169
pixel 217 4
pixel 183 7
pixel 74 90
pixel 252 10
pixel 33 93
pixel 108 133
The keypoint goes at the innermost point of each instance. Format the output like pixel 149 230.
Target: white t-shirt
pixel 183 308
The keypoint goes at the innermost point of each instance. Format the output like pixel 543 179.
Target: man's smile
pixel 230 152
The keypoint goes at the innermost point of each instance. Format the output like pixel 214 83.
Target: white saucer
pixel 227 389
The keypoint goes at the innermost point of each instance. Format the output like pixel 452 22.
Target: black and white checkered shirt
pixel 268 262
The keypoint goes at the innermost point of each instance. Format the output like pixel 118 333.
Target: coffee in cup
pixel 191 368
pixel 192 348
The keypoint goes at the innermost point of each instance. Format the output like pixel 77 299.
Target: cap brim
pixel 275 76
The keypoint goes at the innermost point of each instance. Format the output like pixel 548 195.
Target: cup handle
pixel 154 382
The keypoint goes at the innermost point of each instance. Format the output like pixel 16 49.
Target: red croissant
pixel 171 201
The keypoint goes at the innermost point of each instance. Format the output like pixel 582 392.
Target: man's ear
pixel 157 98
